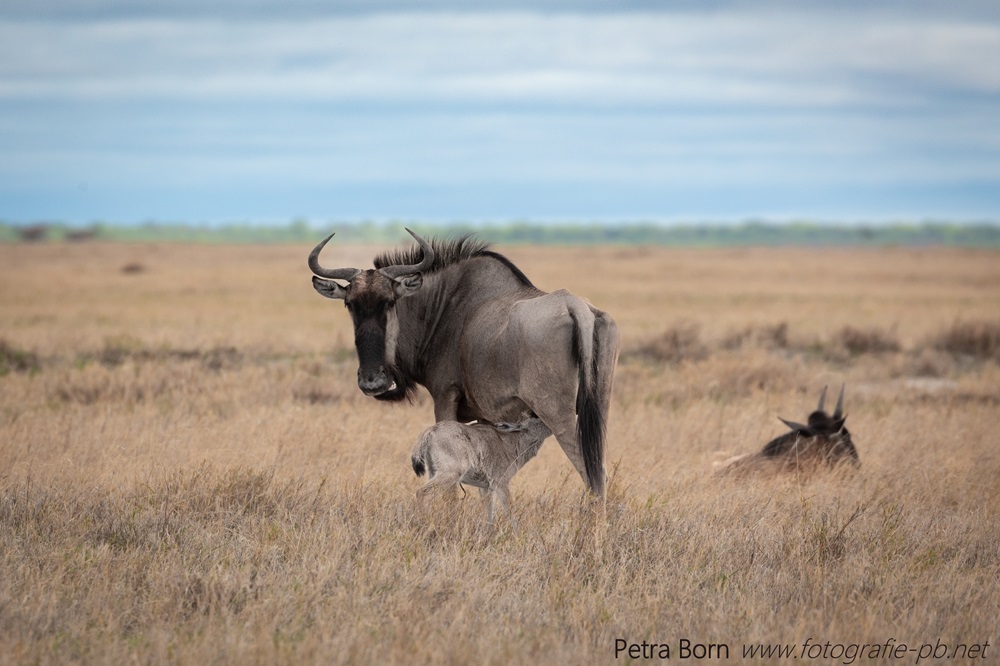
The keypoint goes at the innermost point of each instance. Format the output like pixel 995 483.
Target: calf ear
pixel 329 288
pixel 408 285
pixel 503 426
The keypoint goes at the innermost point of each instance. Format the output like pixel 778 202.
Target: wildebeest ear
pixel 796 427
pixel 408 285
pixel 329 288
pixel 838 424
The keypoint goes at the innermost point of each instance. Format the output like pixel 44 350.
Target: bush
pixel 869 340
pixel 680 342
pixel 762 336
pixel 979 339
pixel 17 360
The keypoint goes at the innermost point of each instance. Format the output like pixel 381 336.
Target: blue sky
pixel 219 111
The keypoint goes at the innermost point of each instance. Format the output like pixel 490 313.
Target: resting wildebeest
pixel 467 324
pixel 480 454
pixel 823 440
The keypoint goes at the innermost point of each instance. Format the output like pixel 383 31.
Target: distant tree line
pixel 750 233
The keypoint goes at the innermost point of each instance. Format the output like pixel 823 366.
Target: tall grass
pixel 177 489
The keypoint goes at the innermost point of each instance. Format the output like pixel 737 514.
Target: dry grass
pixel 189 473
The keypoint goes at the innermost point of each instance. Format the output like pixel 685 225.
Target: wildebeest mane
pixel 448 252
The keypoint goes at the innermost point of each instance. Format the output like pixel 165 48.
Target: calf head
pixel 529 423
pixel 370 296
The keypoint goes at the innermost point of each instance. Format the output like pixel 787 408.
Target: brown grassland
pixel 189 474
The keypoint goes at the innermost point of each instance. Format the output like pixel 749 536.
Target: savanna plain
pixel 189 474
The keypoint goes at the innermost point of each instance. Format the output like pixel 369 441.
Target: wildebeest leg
pixel 443 479
pixel 503 496
pixel 446 405
pixel 487 496
pixel 562 423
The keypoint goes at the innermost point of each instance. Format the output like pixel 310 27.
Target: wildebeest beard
pixel 405 387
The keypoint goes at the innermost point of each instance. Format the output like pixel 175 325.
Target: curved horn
pixel 399 271
pixel 840 404
pixel 794 426
pixel 331 273
pixel 822 399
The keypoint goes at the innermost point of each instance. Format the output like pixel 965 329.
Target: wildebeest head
pixel 824 433
pixel 370 296
pixel 822 441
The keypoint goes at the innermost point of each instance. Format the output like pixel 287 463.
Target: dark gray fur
pixel 486 343
pixel 822 441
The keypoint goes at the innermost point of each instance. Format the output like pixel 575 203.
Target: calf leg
pixel 443 479
pixel 503 496
pixel 488 499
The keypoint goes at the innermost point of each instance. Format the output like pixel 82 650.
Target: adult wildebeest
pixel 823 440
pixel 480 454
pixel 467 324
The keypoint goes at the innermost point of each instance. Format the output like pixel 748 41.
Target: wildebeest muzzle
pixel 375 382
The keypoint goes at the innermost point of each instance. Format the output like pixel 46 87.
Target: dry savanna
pixel 189 473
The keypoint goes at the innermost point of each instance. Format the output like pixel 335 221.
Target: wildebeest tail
pixel 590 417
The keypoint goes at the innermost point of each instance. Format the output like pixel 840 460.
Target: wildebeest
pixel 822 441
pixel 481 454
pixel 468 325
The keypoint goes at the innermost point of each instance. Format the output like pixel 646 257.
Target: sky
pixel 129 111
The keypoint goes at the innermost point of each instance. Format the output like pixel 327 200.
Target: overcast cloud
pixel 110 111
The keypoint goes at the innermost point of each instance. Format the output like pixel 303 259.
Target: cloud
pixel 755 58
pixel 738 96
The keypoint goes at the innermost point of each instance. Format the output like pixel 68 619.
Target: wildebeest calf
pixel 483 455
pixel 823 440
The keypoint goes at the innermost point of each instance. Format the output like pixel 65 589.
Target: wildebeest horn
pixel 840 404
pixel 331 273
pixel 822 399
pixel 399 271
pixel 793 425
